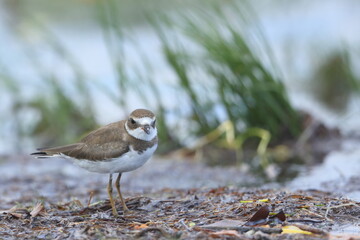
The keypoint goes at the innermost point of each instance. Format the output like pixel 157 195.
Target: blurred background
pixel 263 85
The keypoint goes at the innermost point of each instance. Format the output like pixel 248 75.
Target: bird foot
pixel 127 211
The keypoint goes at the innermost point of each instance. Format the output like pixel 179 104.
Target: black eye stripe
pixel 139 122
pixel 132 121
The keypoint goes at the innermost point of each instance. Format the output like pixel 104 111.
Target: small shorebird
pixel 115 148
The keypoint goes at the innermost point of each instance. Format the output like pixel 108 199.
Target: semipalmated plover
pixel 115 148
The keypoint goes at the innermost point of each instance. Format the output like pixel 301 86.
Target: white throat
pixel 140 133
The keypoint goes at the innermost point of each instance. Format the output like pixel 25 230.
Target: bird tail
pixel 41 154
pixel 54 151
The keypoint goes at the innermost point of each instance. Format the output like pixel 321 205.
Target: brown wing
pixel 104 143
pixel 48 152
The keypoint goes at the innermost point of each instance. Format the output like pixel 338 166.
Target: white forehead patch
pixel 144 120
pixel 139 133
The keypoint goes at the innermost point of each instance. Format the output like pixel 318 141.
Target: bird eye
pixel 132 121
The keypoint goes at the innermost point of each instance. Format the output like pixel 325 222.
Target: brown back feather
pixel 104 143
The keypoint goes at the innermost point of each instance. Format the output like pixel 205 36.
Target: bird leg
pixel 110 189
pixel 117 185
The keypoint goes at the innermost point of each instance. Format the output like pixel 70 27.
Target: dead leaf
pixel 303 206
pixel 141 226
pixel 91 195
pixel 78 203
pixel 310 229
pixel 279 216
pixel 16 212
pixel 17 215
pixel 294 230
pixel 251 201
pixel 260 217
pixel 11 210
pixel 226 223
pixel 37 209
pixel 191 224
pixel 231 233
pixel 301 197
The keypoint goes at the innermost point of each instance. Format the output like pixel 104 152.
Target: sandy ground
pixel 188 191
pixel 23 176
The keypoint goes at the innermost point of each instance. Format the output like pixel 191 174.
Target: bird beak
pixel 146 129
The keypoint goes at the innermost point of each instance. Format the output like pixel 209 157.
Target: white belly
pixel 126 163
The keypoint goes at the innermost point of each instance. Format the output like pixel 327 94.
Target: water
pixel 339 173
